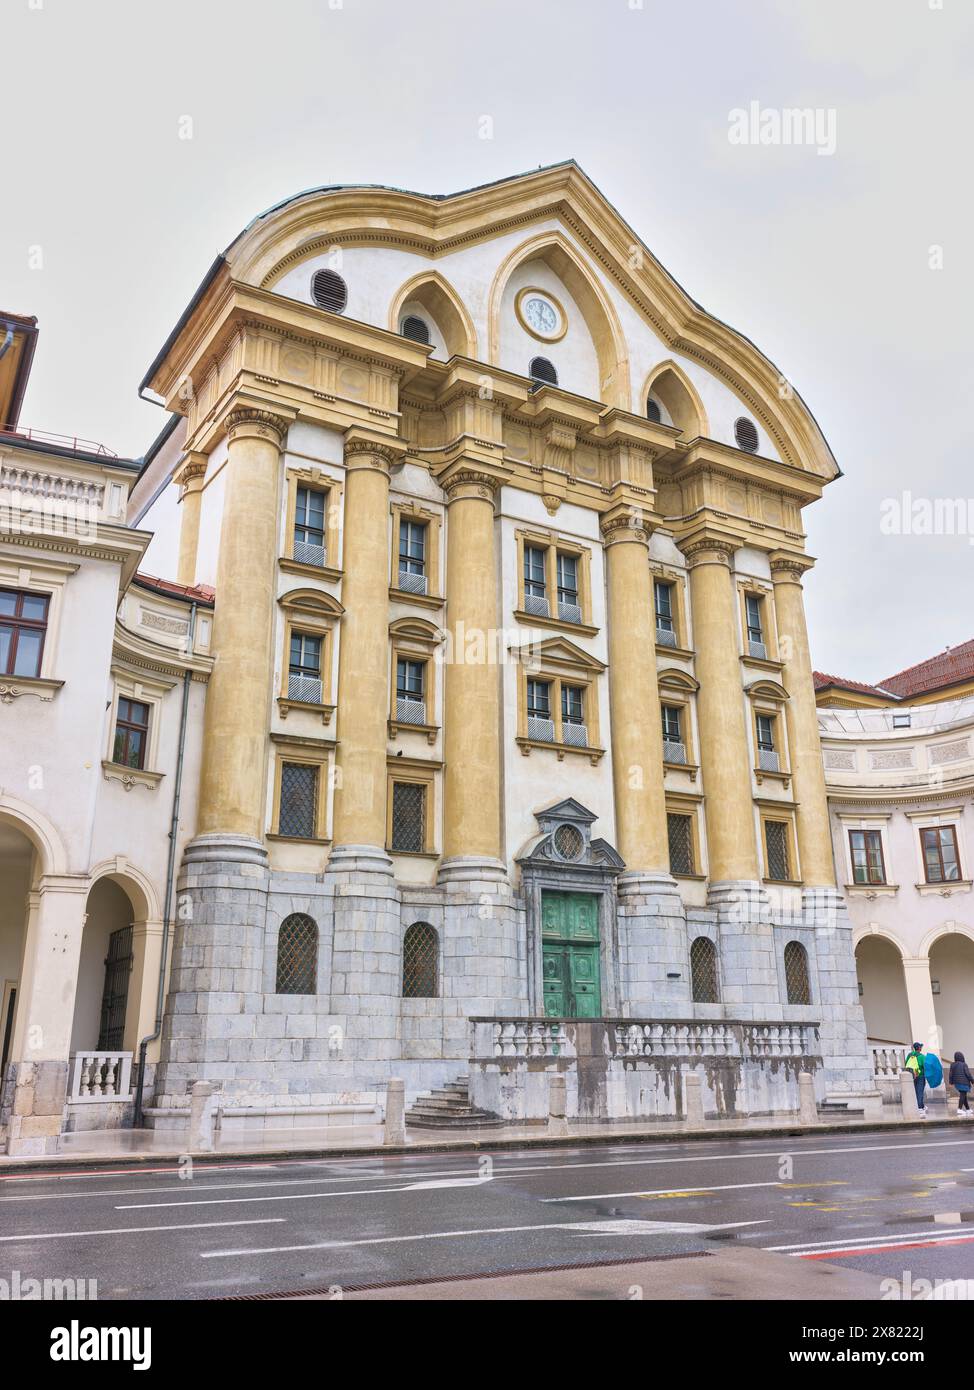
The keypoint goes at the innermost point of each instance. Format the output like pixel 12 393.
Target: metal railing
pixel 674 751
pixel 411 583
pixel 306 690
pixel 541 729
pixel 410 711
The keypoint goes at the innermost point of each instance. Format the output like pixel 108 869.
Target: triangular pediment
pixel 557 651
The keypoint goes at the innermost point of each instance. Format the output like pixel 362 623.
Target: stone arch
pixel 601 319
pixel 437 295
pixel 865 933
pixel 951 956
pixel 879 960
pixel 51 855
pixel 669 383
pixel 136 885
pixel 944 929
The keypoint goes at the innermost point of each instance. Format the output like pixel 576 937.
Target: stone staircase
pixel 448 1107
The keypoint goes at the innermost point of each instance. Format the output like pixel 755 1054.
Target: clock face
pixel 540 315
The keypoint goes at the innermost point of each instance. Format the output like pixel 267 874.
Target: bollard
pixel 201 1107
pixel 557 1104
pixel 693 1093
pixel 807 1106
pixel 395 1126
pixel 908 1097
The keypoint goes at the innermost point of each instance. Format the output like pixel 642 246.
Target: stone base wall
pixel 225 1023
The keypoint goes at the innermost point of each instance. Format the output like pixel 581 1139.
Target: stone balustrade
pixel 888 1061
pixel 655 1038
pixel 100 1076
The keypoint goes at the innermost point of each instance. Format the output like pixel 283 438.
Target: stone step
pixel 418 1117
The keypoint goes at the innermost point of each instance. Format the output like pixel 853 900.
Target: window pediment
pixel 557 651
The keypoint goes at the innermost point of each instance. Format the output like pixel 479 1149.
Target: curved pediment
pixel 416 629
pixel 312 601
pixel 768 690
pixel 675 679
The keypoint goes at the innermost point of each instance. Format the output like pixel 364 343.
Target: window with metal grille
pixel 755 626
pixel 543 372
pixel 746 434
pixel 796 974
pixel 703 971
pixel 940 860
pixel 866 847
pixel 131 733
pixel 679 830
pixel 329 291
pixel 411 690
pixel 416 328
pixel 566 567
pixel 299 801
pixel 408 817
pixel 114 998
pixel 23 626
pixel 297 955
pixel 568 841
pixel 304 668
pixel 420 962
pixel 412 555
pixel 573 729
pixel 653 411
pixel 776 841
pixel 309 526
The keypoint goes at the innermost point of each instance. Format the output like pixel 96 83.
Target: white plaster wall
pixel 573 356
pixel 162 519
pixel 879 967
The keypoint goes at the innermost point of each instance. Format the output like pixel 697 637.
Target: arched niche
pixel 433 293
pixel 682 407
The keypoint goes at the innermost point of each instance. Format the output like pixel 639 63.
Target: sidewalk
pixel 97 1149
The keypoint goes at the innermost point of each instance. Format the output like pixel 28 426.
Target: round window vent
pixel 329 291
pixel 653 412
pixel 746 434
pixel 568 842
pixel 416 328
pixel 541 370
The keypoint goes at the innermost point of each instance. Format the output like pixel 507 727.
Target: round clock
pixel 541 314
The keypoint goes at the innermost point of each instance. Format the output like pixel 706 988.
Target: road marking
pixel 280 1197
pixel 881 1249
pixel 142 1230
pixel 620 1227
pixel 850 1241
pixel 660 1192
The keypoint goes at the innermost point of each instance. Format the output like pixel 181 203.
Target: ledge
pixel 691 768
pixel 687 653
pixel 559 624
pixel 12 687
pixel 313 571
pixel 130 776
pixel 763 663
pixel 872 890
pixel 414 854
pixel 399 726
pixel 296 839
pixel 424 600
pixel 284 705
pixel 760 773
pixel 945 889
pixel 784 882
pixel 594 755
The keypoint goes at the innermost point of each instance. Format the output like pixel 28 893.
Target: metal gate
pixel 118 967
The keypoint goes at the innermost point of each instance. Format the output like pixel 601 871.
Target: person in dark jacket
pixel 962 1081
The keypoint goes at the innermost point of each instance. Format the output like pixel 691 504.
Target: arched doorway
pixel 18 869
pixel 952 983
pixel 103 997
pixel 879 967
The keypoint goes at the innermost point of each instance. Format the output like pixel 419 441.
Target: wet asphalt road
pixel 879 1203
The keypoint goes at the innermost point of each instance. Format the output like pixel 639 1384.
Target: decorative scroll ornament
pixel 630 524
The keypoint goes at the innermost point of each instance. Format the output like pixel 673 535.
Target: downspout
pixel 170 876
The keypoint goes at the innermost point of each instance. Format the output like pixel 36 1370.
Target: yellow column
pixel 637 737
pixel 801 715
pixel 232 785
pixel 189 479
pixel 724 756
pixel 471 721
pixel 363 677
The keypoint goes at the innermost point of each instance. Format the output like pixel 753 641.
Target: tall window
pixel 679 830
pixel 753 605
pixel 768 759
pixel 23 625
pixel 940 859
pixel 411 690
pixel 663 600
pixel 776 844
pixel 540 723
pixel 796 974
pixel 535 588
pixel 412 555
pixel 408 818
pixel 420 962
pixel 297 955
pixel 573 715
pixel 703 971
pixel 867 856
pixel 309 526
pixel 567 572
pixel 131 732
pixel 298 817
pixel 304 668
pixel 673 749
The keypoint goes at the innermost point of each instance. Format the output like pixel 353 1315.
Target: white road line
pixel 280 1197
pixel 621 1227
pixel 499 1170
pixel 142 1230
pixel 689 1190
pixel 877 1238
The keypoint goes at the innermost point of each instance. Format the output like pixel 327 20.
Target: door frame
pixel 6 990
pixel 594 884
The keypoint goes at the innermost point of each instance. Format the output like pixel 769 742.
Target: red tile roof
pixel 822 680
pixel 201 593
pixel 949 667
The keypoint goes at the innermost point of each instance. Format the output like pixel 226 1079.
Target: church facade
pixel 509 712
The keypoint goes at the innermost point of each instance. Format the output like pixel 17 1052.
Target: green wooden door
pixel 570 955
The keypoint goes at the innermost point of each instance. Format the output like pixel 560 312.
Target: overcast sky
pixel 824 260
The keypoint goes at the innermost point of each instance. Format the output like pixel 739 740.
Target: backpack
pixel 932 1069
pixel 913 1063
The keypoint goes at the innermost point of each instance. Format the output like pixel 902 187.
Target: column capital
pixel 471 478
pixel 787 567
pixel 625 521
pixel 381 452
pixel 192 467
pixel 709 548
pixel 248 421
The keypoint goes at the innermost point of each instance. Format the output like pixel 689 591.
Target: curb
pixel 55 1163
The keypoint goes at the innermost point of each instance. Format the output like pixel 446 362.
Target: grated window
pixel 299 801
pixel 297 955
pixel 679 829
pixel 653 412
pixel 796 974
pixel 329 291
pixel 703 971
pixel 416 328
pixel 746 434
pixel 420 962
pixel 543 371
pixel 408 817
